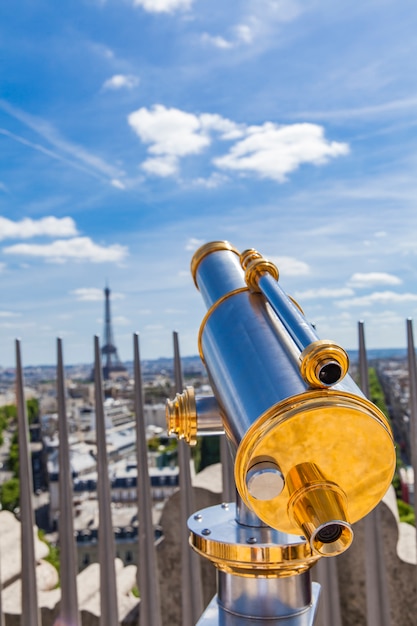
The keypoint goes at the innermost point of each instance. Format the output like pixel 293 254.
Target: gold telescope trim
pixel 343 435
pixel 249 255
pixel 206 249
pixel 255 268
pixel 319 508
pixel 296 304
pixel 252 561
pixel 323 363
pixel 181 416
pixel 247 551
pixel 210 312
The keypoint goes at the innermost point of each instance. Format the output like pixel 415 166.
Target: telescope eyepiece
pixel 323 364
pixel 329 533
pixel 318 506
pixel 332 538
pixel 330 373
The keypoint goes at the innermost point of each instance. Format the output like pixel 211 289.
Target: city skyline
pixel 133 132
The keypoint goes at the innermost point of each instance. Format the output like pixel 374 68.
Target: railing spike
pixel 69 614
pixel 2 618
pixel 107 553
pixel 377 598
pixel 329 606
pixel 30 609
pixel 192 596
pixel 412 373
pixel 229 489
pixel 148 581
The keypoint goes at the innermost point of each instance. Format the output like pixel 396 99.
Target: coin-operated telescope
pixel 311 454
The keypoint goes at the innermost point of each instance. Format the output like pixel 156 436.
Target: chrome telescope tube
pixel 322 363
pixel 312 454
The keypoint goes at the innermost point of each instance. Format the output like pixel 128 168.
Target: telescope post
pixel 311 454
pixel 260 580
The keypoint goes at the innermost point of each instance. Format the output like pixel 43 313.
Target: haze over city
pixel 133 132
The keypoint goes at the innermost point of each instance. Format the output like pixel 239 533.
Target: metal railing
pixel 382 572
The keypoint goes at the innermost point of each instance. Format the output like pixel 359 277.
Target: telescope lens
pixel 330 373
pixel 329 533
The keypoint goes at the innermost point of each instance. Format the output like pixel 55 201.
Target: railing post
pixel 69 613
pixel 148 582
pixel 412 373
pixel 30 609
pixel 377 598
pixel 229 489
pixel 192 596
pixel 107 553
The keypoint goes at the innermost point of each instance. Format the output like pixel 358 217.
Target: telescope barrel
pixel 322 363
pixel 294 321
pixel 312 454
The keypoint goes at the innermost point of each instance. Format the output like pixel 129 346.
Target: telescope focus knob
pixel 265 480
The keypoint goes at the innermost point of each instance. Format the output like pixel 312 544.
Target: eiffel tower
pixel 112 366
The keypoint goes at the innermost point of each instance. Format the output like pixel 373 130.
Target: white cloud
pixel 378 298
pixel 163 6
pixel 211 182
pixel 226 128
pixel 241 34
pixel 78 248
pixel 244 33
pixel 169 131
pixel 117 183
pixel 193 243
pixel 281 10
pixel 4 314
pixel 273 151
pixel 217 41
pixel 161 166
pixel 393 106
pixel 288 266
pixel 171 134
pixel 269 151
pixel 121 81
pixel 373 279
pixel 324 292
pixel 93 294
pixel 79 157
pixel 259 23
pixel 88 294
pixel 2 267
pixel 121 320
pixel 27 228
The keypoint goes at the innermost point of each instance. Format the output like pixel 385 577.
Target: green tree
pixel 10 494
pixel 13 461
pixel 375 391
pixel 32 407
pixel 208 452
pixel 405 511
pixel 54 553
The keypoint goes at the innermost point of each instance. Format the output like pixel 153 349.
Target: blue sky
pixel 133 131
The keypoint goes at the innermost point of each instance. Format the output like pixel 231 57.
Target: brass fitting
pixel 318 507
pixel 207 249
pixel 255 266
pixel 181 416
pixel 323 363
pixel 249 255
pixel 247 551
pixel 333 430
